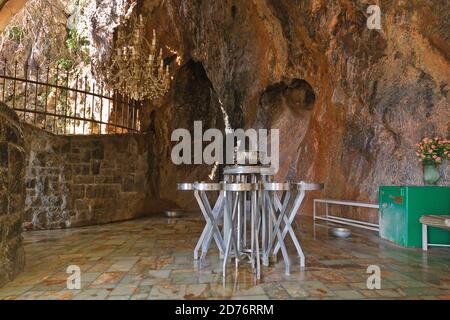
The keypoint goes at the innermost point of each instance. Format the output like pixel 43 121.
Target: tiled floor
pixel 152 258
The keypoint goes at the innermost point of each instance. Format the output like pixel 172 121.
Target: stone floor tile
pixel 8 290
pixel 275 291
pixel 92 294
pixel 124 297
pixel 167 292
pixel 197 291
pixel 348 294
pixel 139 296
pixel 108 278
pixel 124 290
pixel 255 297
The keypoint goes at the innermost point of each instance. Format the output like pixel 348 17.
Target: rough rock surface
pixel 350 102
pixel 12 190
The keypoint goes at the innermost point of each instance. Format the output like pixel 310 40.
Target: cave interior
pixel 350 100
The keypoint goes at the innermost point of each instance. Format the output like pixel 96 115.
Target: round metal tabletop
pixel 185 186
pixel 240 186
pixel 276 186
pixel 235 170
pixel 207 186
pixel 309 186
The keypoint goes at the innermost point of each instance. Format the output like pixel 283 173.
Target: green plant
pixel 16 33
pixel 74 41
pixel 65 64
pixel 431 151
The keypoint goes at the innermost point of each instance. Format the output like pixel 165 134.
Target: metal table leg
pixel 288 225
pixel 255 232
pixel 276 227
pixel 230 233
pixel 209 217
pixel 215 215
pixel 263 228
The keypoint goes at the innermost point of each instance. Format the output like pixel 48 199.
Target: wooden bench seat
pixel 442 222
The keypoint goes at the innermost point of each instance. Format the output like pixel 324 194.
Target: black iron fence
pixel 58 100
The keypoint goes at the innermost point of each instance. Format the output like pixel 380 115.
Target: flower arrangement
pixel 431 151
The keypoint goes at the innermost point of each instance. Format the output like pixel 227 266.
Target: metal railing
pixel 58 100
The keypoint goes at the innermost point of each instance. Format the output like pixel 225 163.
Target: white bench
pixel 336 219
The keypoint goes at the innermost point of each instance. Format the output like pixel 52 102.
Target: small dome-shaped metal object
pixel 173 213
pixel 340 232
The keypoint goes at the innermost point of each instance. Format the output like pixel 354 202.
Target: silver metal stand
pixel 271 216
pixel 211 229
pixel 237 191
pixel 277 214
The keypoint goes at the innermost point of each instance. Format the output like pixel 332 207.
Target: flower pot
pixel 430 174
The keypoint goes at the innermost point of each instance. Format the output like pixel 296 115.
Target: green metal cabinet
pixel 401 208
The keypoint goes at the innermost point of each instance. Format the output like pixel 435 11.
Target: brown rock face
pixel 350 102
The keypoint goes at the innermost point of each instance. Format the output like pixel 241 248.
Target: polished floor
pixel 152 258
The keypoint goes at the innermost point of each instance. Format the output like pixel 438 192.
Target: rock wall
pixel 83 180
pixel 12 190
pixel 350 102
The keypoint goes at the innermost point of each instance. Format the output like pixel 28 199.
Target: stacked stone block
pixel 83 180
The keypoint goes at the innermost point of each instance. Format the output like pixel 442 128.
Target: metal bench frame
pixel 425 243
pixel 347 221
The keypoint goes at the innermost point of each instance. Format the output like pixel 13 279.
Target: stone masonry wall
pixel 12 257
pixel 83 180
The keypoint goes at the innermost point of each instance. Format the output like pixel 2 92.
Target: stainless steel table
pixel 273 207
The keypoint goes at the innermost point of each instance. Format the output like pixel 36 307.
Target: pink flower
pixel 435 157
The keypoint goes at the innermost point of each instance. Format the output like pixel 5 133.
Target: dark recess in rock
pixel 233 11
pixel 297 96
